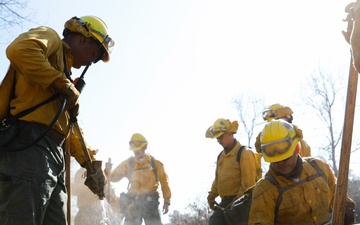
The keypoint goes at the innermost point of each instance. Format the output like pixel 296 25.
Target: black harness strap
pixel 131 162
pixel 271 178
pixel 238 154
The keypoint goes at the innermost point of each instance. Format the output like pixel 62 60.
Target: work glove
pixel 95 179
pixel 66 87
pixel 212 203
pixel 74 112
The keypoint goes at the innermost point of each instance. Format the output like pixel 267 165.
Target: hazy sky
pixel 177 66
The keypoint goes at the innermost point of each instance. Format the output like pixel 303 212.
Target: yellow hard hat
pixel 137 142
pixel 277 111
pixel 221 126
pixel 278 140
pixel 92 26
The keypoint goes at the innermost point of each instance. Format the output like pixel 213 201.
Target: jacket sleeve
pixel 248 171
pixel 76 149
pixel 164 181
pixel 120 171
pixel 331 179
pixel 263 203
pixel 305 149
pixel 29 55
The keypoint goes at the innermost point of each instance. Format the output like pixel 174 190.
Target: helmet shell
pixel 273 134
pixel 92 26
pixel 137 142
pixel 276 111
pixel 221 126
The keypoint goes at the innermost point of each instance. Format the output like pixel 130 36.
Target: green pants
pixel 32 185
pixel 147 209
pixel 218 218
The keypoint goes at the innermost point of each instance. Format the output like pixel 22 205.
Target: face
pixel 226 140
pixel 286 166
pixel 140 154
pixel 85 51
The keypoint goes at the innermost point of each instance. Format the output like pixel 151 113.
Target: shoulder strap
pixel 238 154
pixel 152 163
pixel 131 162
pixel 272 179
pixel 313 163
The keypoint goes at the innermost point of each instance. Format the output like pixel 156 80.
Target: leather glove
pixel 74 112
pixel 212 203
pixel 66 87
pixel 95 179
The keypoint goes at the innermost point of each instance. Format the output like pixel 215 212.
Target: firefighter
pixel 144 172
pixel 232 177
pixel 309 199
pixel 278 111
pixel 32 187
pixel 90 209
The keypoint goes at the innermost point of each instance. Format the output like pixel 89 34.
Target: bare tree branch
pixel 13 13
pixel 249 110
pixel 325 90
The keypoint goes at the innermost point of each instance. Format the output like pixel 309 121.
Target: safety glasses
pixel 136 144
pixel 279 146
pixel 217 130
pixel 103 53
pixel 268 114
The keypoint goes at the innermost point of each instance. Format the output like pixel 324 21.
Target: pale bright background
pixel 178 64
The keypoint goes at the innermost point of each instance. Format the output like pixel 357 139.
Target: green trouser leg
pixel 32 186
pixel 218 218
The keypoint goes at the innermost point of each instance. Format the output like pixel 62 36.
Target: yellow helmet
pixel 137 142
pixel 92 26
pixel 221 126
pixel 278 140
pixel 277 111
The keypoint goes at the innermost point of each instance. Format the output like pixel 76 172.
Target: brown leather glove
pixel 95 179
pixel 211 201
pixel 66 87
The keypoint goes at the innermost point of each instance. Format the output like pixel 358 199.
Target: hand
pixel 165 208
pixel 96 180
pixel 66 87
pixel 213 205
pixel 108 167
pixel 211 201
pixel 74 112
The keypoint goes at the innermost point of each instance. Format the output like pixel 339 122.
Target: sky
pixel 178 65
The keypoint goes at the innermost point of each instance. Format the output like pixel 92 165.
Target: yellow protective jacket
pixel 142 178
pixel 37 60
pixel 308 203
pixel 231 177
pixel 305 150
